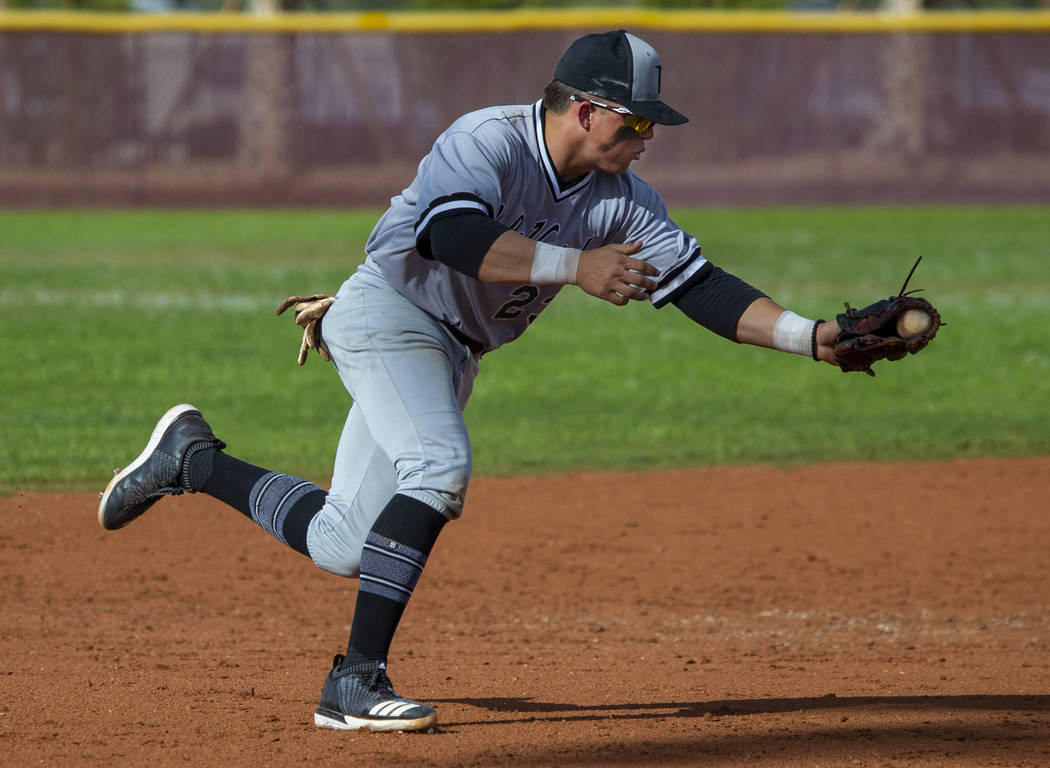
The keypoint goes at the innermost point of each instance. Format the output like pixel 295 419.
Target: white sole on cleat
pixel 346 723
pixel 158 431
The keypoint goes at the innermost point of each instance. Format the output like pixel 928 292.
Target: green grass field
pixel 110 317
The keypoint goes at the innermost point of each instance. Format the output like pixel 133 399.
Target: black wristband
pixel 813 340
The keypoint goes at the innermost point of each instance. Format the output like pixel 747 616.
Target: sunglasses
pixel 631 120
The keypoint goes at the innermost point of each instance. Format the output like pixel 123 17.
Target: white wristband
pixel 554 265
pixel 793 333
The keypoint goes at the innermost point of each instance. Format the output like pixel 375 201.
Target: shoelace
pixel 161 492
pixel 378 682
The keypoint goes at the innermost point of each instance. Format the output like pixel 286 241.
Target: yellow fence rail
pixel 530 19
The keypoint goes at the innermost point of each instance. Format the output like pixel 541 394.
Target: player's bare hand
pixel 611 273
pixel 827 333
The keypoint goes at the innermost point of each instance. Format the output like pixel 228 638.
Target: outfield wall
pixel 336 110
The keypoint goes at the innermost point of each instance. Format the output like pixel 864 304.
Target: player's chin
pixel 633 156
pixel 622 164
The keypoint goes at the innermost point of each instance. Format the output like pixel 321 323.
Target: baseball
pixel 912 323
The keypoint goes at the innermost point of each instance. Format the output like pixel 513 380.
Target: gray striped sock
pixel 271 498
pixel 390 569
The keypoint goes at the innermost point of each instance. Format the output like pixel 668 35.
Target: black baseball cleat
pixel 362 697
pixel 162 469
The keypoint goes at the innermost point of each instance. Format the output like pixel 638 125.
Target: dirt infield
pixel 728 616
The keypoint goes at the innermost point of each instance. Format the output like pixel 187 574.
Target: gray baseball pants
pixel 410 380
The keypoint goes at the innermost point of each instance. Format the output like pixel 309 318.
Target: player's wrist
pixel 554 265
pixel 814 346
pixel 796 334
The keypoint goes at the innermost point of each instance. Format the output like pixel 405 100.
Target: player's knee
pixel 448 504
pixel 348 566
pixel 443 489
pixel 335 537
pixel 338 557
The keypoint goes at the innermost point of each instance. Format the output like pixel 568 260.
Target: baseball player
pixel 511 204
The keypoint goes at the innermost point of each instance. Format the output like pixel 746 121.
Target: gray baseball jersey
pixel 408 377
pixel 495 161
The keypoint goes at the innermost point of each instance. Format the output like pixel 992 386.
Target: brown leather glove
pixel 880 331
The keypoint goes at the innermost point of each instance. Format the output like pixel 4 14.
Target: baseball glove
pixel 885 330
pixel 308 313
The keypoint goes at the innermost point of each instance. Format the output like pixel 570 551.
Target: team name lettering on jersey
pixel 496 160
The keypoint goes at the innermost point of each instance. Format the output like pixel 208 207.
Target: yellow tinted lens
pixel 637 124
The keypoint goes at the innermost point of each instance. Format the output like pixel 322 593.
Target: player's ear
pixel 583 114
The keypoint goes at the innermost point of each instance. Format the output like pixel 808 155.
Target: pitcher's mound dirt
pixel 846 615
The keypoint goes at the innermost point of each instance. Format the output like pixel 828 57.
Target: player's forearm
pixel 756 325
pixel 509 259
pixel 759 326
pixel 515 258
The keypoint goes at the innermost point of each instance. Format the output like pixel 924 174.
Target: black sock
pixel 231 481
pixel 282 505
pixel 392 560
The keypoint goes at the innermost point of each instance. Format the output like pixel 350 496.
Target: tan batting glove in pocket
pixel 308 313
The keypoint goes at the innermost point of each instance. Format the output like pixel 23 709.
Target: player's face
pixel 618 144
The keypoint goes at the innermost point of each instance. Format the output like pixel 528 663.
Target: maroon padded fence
pixel 342 118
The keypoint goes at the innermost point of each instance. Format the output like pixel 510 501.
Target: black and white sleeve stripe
pixel 460 202
pixel 678 280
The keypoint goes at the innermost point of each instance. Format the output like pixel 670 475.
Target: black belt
pixel 476 347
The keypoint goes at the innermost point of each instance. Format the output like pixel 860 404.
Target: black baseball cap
pixel 620 67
